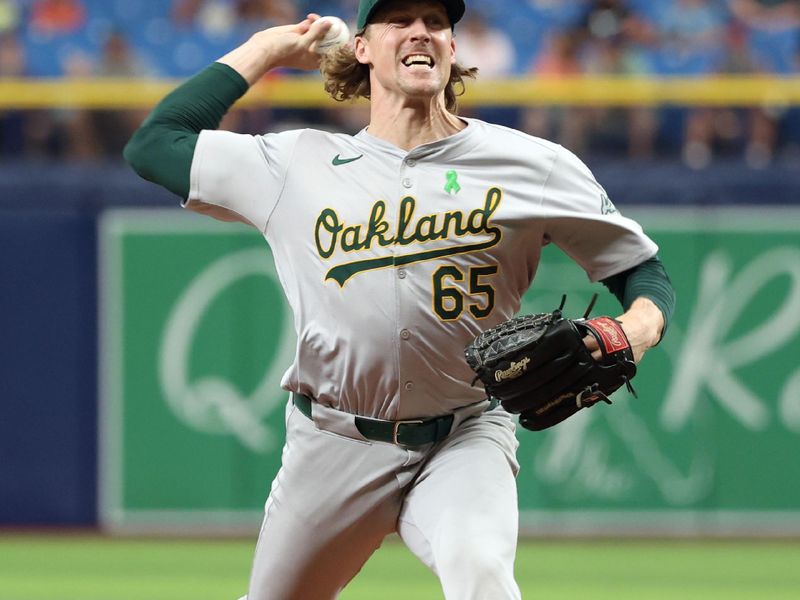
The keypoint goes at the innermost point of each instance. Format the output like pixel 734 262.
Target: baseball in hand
pixel 337 35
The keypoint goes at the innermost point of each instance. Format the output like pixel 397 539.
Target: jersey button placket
pixel 406 302
pixel 407 385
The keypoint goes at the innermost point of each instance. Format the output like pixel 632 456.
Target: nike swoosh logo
pixel 343 161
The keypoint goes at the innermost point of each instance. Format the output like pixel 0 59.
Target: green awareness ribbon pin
pixel 452 186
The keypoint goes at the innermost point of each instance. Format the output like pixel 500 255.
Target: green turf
pixel 94 568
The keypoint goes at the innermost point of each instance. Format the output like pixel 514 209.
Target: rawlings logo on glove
pixel 539 367
pixel 514 371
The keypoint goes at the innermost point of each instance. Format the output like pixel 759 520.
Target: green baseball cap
pixel 366 9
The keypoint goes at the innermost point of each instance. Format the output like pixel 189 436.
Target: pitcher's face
pixel 409 47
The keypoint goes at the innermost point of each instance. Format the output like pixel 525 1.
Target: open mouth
pixel 418 61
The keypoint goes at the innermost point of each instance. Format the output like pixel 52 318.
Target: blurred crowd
pixel 504 38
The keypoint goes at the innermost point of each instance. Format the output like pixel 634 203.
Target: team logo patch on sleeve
pixel 607 206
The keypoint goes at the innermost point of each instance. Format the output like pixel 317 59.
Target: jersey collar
pixel 446 148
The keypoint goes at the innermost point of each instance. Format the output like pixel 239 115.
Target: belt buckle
pixel 396 428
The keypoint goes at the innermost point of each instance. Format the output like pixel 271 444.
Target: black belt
pixel 417 432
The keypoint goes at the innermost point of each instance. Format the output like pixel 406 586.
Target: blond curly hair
pixel 347 79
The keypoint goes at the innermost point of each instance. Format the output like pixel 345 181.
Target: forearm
pixel 648 299
pixel 253 59
pixel 283 46
pixel 647 280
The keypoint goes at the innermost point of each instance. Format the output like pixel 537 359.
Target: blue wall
pixel 48 327
pixel 47 434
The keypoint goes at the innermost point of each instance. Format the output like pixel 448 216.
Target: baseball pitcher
pixel 396 248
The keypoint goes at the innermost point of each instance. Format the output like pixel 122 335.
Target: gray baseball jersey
pixel 393 260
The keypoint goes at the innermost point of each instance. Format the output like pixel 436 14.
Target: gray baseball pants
pixel 338 495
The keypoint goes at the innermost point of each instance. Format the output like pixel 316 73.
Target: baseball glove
pixel 538 365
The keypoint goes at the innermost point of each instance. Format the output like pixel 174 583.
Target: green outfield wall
pixel 195 336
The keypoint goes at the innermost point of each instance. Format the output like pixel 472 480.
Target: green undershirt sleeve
pixel 161 150
pixel 648 279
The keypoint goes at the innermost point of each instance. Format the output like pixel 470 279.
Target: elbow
pixel 135 151
pixel 162 156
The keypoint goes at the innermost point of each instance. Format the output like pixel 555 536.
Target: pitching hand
pixel 288 46
pixel 291 46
